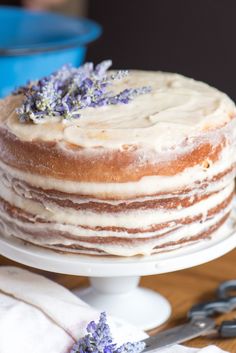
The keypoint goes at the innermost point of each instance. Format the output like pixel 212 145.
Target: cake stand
pixel 114 281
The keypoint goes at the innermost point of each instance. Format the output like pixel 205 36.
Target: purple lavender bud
pixel 88 82
pixel 91 327
pixel 128 347
pixel 119 75
pixel 101 69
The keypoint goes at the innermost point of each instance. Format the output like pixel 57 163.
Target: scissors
pixel 200 321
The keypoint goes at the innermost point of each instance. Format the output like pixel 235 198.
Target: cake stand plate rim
pixel 223 241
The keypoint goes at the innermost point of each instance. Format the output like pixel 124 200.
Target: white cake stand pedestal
pixel 123 298
pixel 114 281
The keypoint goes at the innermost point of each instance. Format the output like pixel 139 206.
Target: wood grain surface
pixel 182 288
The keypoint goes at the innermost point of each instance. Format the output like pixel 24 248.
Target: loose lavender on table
pixel 64 93
pixel 99 340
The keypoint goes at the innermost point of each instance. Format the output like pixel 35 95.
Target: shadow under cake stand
pixel 114 281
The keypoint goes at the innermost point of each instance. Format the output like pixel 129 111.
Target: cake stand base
pixel 141 307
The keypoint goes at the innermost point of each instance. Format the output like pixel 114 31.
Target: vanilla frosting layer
pixel 177 107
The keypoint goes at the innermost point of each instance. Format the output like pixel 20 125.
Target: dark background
pixel 196 38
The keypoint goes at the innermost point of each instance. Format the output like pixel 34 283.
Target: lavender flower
pixel 99 340
pixel 66 92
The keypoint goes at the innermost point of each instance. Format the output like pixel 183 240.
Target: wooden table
pixel 183 289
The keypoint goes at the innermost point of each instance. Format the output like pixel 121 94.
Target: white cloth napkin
pixel 40 316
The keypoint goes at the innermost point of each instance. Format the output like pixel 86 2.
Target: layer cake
pixel 151 175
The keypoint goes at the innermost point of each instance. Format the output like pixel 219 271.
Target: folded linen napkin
pixel 40 316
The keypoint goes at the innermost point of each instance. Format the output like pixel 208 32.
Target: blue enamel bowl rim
pixel 92 32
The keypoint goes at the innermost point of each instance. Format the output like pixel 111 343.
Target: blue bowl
pixel 34 44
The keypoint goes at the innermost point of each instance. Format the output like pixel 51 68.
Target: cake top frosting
pixel 175 108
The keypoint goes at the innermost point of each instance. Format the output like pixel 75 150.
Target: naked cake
pixel 116 163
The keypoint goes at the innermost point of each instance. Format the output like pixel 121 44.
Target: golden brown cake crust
pixel 76 164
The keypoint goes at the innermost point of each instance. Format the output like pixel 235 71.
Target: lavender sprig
pixel 67 91
pixel 99 340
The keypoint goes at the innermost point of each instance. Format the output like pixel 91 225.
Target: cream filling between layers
pixel 148 185
pixel 130 219
pixel 78 231
pixel 25 190
pixel 120 249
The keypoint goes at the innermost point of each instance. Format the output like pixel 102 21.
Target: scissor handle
pixel 211 308
pixel 226 288
pixel 225 303
pixel 227 329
